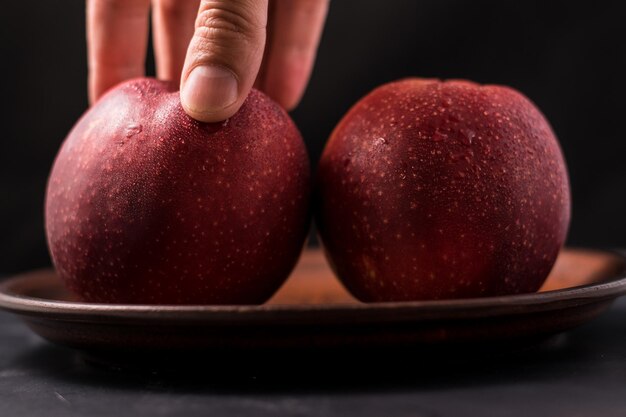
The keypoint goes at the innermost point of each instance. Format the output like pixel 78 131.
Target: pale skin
pixel 216 49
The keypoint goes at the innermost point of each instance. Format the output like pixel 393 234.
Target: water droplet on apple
pixel 133 129
pixel 438 136
pixel 466 136
pixel 382 141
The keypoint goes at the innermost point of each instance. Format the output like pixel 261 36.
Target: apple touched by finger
pixel 146 205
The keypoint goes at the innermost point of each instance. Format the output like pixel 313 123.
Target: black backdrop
pixel 569 57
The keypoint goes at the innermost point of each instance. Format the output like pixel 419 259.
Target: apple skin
pixel 146 205
pixel 432 190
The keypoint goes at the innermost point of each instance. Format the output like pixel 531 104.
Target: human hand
pixel 233 45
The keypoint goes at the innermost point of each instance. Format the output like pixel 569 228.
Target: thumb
pixel 223 58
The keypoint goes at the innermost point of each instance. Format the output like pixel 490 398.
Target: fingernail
pixel 209 89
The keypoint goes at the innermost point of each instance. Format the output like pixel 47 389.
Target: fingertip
pixel 287 86
pixel 223 58
pixel 290 102
pixel 91 95
pixel 98 84
pixel 210 93
pixel 214 117
pixel 94 89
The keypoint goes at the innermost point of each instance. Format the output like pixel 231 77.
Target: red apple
pixel 434 190
pixel 146 205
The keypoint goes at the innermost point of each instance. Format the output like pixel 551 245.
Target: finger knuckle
pixel 225 21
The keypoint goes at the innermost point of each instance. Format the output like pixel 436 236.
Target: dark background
pixel 568 57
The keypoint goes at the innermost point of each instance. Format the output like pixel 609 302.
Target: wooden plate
pixel 313 311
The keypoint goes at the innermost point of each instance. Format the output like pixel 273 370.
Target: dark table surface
pixel 580 373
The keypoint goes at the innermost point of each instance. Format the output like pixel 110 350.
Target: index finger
pixel 295 34
pixel 117 38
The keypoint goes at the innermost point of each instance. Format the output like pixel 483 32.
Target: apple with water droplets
pixel 432 190
pixel 146 205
